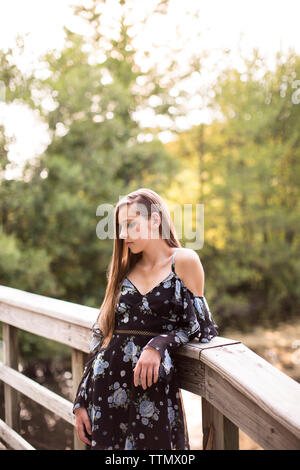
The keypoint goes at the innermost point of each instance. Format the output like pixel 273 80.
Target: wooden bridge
pixel 239 389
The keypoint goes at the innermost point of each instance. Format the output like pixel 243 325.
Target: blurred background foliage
pixel 244 168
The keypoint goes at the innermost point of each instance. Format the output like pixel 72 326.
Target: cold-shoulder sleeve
pixel 208 328
pixel 191 319
pixel 95 344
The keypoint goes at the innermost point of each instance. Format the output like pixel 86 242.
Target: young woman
pixel 129 395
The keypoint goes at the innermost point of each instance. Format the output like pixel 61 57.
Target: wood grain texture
pixel 11 359
pixel 56 329
pixel 78 361
pixel 219 433
pixel 12 438
pixel 239 388
pixel 269 388
pixel 50 400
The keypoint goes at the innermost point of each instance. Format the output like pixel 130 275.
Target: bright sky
pixel 238 25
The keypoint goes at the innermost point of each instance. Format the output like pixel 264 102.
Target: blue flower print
pixel 95 413
pixel 167 284
pixel 99 365
pixel 119 397
pixel 131 351
pixel 145 308
pixel 129 443
pixel 198 306
pixel 181 337
pixel 124 415
pixel 167 362
pixel 97 338
pixel 123 311
pixel 147 410
pixel 83 390
pixel 171 414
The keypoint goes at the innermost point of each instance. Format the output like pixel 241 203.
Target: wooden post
pixel 78 362
pixel 11 396
pixel 219 433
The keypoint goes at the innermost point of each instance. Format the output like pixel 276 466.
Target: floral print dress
pixel 127 417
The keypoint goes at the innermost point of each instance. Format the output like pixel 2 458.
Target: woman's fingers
pixel 155 374
pixel 150 373
pixel 143 376
pixel 147 374
pixel 87 424
pixel 83 425
pixel 147 369
pixel 140 373
pixel 81 433
pixel 136 374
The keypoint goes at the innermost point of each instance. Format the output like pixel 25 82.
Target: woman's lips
pixel 128 243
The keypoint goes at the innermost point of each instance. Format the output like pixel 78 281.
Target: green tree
pixel 248 167
pixel 98 151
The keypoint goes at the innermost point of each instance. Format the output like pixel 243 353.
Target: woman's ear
pixel 154 225
pixel 156 218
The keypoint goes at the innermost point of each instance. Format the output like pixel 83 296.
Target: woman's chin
pixel 133 248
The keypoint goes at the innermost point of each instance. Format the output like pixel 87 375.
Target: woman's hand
pixel 82 422
pixel 147 367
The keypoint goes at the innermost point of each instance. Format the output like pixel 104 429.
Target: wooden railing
pixel 239 389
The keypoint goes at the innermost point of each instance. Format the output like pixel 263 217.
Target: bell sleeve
pixel 208 327
pixel 193 319
pixel 81 394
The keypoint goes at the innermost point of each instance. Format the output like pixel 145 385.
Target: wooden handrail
pixel 239 389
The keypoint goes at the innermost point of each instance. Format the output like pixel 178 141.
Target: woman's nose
pixel 123 234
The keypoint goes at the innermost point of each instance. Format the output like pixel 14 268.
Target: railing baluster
pixel 239 389
pixel 78 361
pixel 219 433
pixel 11 396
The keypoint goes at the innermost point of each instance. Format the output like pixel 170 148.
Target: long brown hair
pixel 123 260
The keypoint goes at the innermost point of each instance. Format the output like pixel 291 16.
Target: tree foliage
pixel 248 180
pixel 243 167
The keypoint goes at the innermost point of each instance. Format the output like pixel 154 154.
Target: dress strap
pixel 173 260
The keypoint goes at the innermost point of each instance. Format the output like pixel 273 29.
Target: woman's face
pixel 135 228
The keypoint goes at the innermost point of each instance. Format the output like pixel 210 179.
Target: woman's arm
pixel 96 341
pixel 194 318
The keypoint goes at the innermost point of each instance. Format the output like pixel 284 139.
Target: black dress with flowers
pixel 122 415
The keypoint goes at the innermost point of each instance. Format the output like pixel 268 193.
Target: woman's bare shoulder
pixel 189 269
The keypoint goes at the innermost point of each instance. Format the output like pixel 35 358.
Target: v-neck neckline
pixel 157 285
